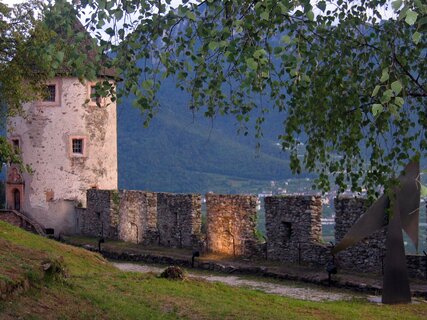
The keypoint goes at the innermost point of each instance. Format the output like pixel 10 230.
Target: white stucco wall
pixel 44 132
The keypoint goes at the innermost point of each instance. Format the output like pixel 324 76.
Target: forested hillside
pixel 184 152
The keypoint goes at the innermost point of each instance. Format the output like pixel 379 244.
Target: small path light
pixel 196 254
pixel 331 268
pixel 50 232
pixel 101 240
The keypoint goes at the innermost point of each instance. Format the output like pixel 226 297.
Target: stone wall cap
pixel 295 196
pixel 180 194
pixel 349 197
pixel 136 191
pixel 229 195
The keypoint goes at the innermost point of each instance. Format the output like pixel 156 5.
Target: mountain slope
pixel 178 153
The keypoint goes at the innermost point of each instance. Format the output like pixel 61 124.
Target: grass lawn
pixel 96 290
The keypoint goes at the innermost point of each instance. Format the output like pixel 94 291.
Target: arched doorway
pixel 14 190
pixel 16 200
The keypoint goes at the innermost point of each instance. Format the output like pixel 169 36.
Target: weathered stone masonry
pixel 294 229
pixel 179 219
pixel 293 225
pixel 231 224
pixel 124 215
pixel 172 220
pixel 60 177
pixel 137 216
pixel 100 219
pixel 366 255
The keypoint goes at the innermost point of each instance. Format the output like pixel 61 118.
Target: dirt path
pixel 292 291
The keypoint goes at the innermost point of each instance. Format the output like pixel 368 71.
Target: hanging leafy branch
pixel 350 82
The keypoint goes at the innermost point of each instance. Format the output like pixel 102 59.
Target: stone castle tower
pixel 70 142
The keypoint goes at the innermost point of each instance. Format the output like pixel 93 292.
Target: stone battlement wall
pixel 367 255
pixel 293 227
pixel 179 219
pixel 172 220
pixel 137 211
pixel 231 224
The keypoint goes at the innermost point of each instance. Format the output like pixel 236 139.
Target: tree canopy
pixel 38 41
pixel 348 76
pixel 349 79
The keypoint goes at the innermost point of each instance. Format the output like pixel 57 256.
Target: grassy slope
pixel 95 290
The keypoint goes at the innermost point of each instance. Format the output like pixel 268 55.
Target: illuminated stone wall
pixel 293 227
pixel 231 224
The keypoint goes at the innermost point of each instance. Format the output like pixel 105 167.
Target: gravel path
pixel 281 289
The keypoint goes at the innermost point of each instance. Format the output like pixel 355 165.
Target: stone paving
pixel 294 291
pixel 360 282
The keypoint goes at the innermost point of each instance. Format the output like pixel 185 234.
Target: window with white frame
pixel 78 146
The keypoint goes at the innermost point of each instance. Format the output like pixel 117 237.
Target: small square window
pixel 50 93
pixel 77 146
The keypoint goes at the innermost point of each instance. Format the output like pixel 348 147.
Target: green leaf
pixel 286 39
pixel 396 4
pixel 265 15
pixel 310 15
pixel 252 63
pixel 118 14
pixel 411 17
pixel 423 190
pixel 376 89
pixel 387 96
pixel 147 84
pixel 321 5
pixel 393 109
pixel 396 86
pixel 60 56
pixel 259 53
pixel 277 50
pixel 305 78
pixel 399 101
pixel 385 76
pixel 190 15
pixel 213 45
pixel 416 37
pixel 377 108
